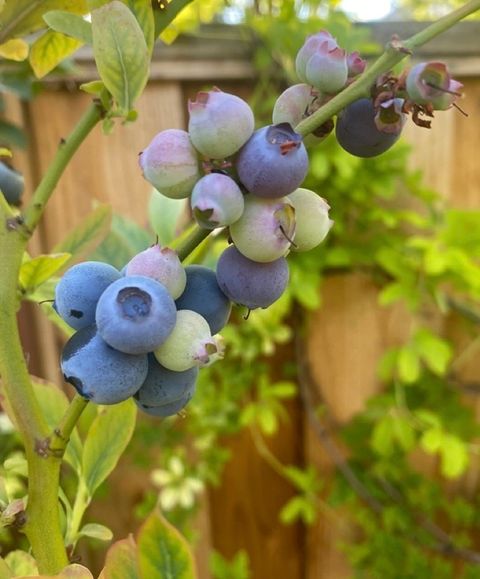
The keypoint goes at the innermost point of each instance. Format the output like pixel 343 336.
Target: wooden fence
pixel 243 512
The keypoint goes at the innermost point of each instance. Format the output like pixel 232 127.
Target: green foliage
pixel 121 53
pixel 162 551
pixel 237 568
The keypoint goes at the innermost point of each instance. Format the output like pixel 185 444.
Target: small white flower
pixel 177 489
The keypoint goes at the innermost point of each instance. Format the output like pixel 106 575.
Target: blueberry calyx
pixel 134 302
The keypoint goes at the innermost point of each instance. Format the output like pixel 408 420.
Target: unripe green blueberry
pixel 265 230
pixel 190 343
pixel 311 216
pixel 216 201
pixel 291 106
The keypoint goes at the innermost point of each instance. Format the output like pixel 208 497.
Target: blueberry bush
pixel 144 333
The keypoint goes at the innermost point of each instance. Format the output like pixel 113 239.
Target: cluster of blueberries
pixel 145 331
pixel 142 332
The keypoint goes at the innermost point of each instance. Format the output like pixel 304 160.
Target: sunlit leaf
pixel 14 49
pixel 121 561
pixel 49 50
pixel 107 438
pixel 38 270
pixel 162 551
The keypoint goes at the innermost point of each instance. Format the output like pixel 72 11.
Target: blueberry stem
pixel 395 51
pixel 192 242
pixel 62 433
pixel 65 152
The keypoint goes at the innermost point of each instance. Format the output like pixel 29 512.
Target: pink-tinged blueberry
pixel 310 46
pixel 216 201
pixel 273 162
pixel 356 64
pixel 170 163
pixel 266 229
pixel 220 123
pixel 292 105
pixel 161 264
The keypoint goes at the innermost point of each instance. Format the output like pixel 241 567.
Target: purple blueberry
pixel 98 372
pixel 249 283
pixel 203 295
pixel 170 164
pixel 357 133
pixel 135 314
pixel 79 290
pixel 274 161
pixel 163 386
pixel 220 123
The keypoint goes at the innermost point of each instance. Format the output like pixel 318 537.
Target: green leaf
pixel 166 13
pixel 21 17
pixel 121 561
pixel 143 12
pixel 391 293
pixel 49 50
pixel 85 237
pixel 95 87
pixel 408 365
pixel 120 52
pixel 107 438
pixel 455 458
pixel 70 25
pixel 165 216
pixel 383 436
pixel 38 270
pixel 267 420
pixel 435 352
pixel 5 571
pixel 14 49
pixel 96 531
pixel 162 551
pixel 432 440
pixel 21 563
pixel 404 433
pixel 292 510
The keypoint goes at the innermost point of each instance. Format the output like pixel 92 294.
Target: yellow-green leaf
pixel 21 17
pixel 121 561
pixel 14 49
pixel 21 563
pixel 49 50
pixel 71 572
pixel 96 531
pixel 107 438
pixel 85 237
pixel 162 551
pixel 4 152
pixel 5 572
pixel 70 24
pixel 120 52
pixel 38 270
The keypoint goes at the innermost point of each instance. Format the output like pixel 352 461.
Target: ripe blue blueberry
pixel 135 314
pixel 11 184
pixel 167 409
pixel 79 290
pixel 98 372
pixel 202 295
pixel 163 386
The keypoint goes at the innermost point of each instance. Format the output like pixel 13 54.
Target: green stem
pixel 61 435
pixel 192 242
pixel 65 152
pixel 42 525
pixel 394 53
